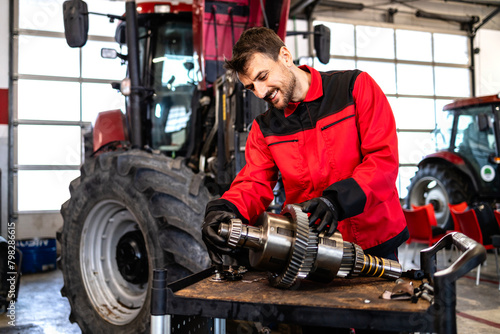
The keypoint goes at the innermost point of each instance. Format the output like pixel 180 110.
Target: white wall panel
pixel 488 62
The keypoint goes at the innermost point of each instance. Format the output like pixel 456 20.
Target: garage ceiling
pixel 449 14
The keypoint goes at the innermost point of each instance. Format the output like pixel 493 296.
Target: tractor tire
pixel 130 212
pixel 438 184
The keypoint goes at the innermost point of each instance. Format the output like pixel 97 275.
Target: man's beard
pixel 286 92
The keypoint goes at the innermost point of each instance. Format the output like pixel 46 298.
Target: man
pixel 332 136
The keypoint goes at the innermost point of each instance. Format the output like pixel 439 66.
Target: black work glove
pixel 216 245
pixel 323 209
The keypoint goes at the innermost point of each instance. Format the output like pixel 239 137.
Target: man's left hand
pixel 323 209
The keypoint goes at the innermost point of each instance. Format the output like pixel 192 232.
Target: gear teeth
pixel 347 260
pixel 235 233
pixel 303 251
pixel 359 261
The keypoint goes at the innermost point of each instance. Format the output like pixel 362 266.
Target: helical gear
pixel 303 250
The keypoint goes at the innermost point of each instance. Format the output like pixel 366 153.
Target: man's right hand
pixel 216 245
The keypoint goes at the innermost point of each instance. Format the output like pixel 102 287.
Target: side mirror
pixel 322 43
pixel 76 22
pixel 120 34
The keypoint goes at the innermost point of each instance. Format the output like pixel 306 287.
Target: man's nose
pixel 260 90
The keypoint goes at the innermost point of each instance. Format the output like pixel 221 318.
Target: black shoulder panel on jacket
pixel 337 95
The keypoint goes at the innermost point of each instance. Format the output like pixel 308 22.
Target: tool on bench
pixel 290 250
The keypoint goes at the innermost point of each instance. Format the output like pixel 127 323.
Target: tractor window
pixel 174 68
pixel 475 137
pixel 443 131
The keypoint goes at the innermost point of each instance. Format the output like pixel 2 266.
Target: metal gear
pixel 359 261
pixel 347 260
pixel 303 250
pixel 235 233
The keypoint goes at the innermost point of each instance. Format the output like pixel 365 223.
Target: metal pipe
pixel 343 5
pixel 160 321
pixel 445 17
pixel 478 2
pixel 12 214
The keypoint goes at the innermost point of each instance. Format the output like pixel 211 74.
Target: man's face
pixel 269 80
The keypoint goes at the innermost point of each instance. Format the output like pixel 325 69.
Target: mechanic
pixel 331 135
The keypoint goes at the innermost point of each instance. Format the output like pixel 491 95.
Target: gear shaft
pixel 290 250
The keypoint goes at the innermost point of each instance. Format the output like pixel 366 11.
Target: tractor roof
pixel 472 101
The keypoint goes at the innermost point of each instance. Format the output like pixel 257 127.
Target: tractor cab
pixel 473 135
pixel 466 166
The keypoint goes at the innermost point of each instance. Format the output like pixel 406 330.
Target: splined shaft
pixel 286 246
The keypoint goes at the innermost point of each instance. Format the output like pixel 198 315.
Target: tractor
pixel 149 172
pixel 466 169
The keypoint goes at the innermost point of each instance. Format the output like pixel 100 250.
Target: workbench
pixel 344 303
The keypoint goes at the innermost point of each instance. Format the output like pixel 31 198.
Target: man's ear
pixel 286 56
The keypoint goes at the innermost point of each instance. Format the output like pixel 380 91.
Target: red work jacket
pixel 341 140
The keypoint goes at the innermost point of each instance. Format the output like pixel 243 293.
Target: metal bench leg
pixel 219 326
pixel 498 270
pixel 161 324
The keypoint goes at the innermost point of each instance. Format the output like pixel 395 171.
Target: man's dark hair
pixel 254 40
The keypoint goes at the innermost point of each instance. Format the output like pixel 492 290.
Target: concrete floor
pixel 41 309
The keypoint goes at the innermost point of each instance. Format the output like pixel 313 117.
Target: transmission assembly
pixel 290 250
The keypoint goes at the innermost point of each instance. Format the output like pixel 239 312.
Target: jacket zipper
pixel 284 141
pixel 332 124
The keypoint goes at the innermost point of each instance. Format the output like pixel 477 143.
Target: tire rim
pixel 115 298
pixel 428 190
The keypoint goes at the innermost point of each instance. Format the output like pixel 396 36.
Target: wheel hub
pixel 131 257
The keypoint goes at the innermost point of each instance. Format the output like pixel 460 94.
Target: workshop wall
pixel 487 77
pixel 487 64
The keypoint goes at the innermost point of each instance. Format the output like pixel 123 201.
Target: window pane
pixel 48 100
pixel 375 42
pixel 47 56
pixel 342 38
pixel 49 145
pixel 444 121
pixel 44 190
pixel 100 25
pixel 413 114
pixel 452 81
pixel 451 49
pixel 335 64
pixel 99 97
pixel 413 146
pixel 404 179
pixel 413 45
pixel 415 79
pixel 298 45
pixel 41 15
pixel 383 73
pixel 94 66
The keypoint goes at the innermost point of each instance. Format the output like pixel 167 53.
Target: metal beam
pixel 477 2
pixel 343 5
pixel 299 7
